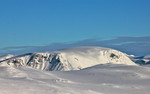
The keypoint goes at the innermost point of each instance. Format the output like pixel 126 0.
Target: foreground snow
pixel 100 79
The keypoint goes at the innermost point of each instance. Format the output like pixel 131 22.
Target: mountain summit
pixel 70 59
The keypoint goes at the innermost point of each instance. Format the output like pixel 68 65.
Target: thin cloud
pixel 131 45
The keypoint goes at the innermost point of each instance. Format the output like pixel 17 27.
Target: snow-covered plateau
pixel 70 59
pixel 81 70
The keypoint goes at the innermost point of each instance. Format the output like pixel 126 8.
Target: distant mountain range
pixel 142 60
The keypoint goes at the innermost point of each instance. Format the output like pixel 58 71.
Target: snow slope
pixel 100 79
pixel 94 70
pixel 6 57
pixel 143 60
pixel 70 59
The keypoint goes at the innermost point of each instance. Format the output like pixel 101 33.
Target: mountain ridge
pixel 70 59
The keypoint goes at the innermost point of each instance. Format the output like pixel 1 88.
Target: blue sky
pixel 45 22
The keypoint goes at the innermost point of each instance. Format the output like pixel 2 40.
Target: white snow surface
pixel 71 59
pixel 100 79
pixel 82 70
pixel 6 57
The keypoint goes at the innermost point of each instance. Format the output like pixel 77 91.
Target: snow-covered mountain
pixel 143 60
pixel 104 71
pixel 6 57
pixel 70 59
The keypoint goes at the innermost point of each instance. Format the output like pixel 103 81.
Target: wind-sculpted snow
pixel 71 59
pixel 99 79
